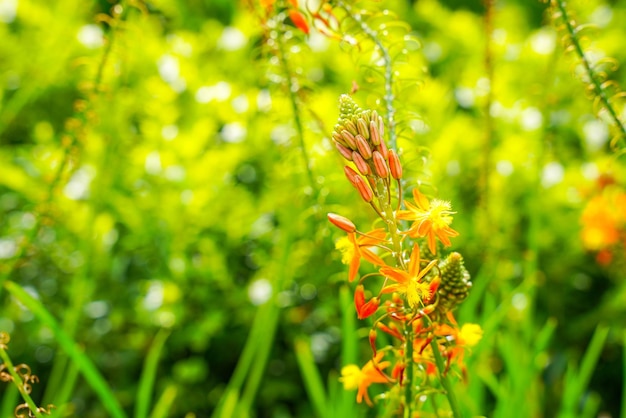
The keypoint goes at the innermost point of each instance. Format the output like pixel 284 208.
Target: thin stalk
pixel 390 109
pixel 17 380
pixel 408 384
pixel 593 77
pixel 292 90
pixel 443 376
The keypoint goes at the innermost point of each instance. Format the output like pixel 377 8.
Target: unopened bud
pixel 348 139
pixel 364 189
pixel 374 116
pixel 337 137
pixel 341 222
pixel 362 128
pixel 345 152
pixel 381 126
pixel 374 135
pixel 351 175
pixel 363 147
pixel 349 125
pixel 394 165
pixel 360 163
pixel 382 148
pixel 380 165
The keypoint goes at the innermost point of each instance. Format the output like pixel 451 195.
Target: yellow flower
pixel 470 335
pixel 410 283
pixel 432 219
pixel 353 377
pixel 353 248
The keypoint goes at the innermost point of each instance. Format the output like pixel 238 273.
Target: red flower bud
pixel 364 309
pixel 350 174
pixel 364 189
pixel 361 126
pixel 299 21
pixel 382 148
pixel 363 147
pixel 360 163
pixel 394 165
pixel 345 152
pixel 341 222
pixel 380 165
pixel 349 139
pixel 374 134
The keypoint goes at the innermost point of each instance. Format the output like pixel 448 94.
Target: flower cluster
pixel 604 222
pixel 413 292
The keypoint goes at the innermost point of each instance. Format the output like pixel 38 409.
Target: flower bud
pixel 350 126
pixel 364 149
pixel 362 128
pixel 374 135
pixel 364 189
pixel 381 126
pixel 380 165
pixel 337 137
pixel 360 163
pixel 348 139
pixel 394 165
pixel 382 148
pixel 341 222
pixel 345 152
pixel 351 175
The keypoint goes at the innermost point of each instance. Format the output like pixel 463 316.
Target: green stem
pixel 408 384
pixel 292 89
pixel 390 109
pixel 593 77
pixel 443 377
pixel 17 381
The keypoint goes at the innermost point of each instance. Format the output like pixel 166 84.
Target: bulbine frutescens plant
pixel 414 290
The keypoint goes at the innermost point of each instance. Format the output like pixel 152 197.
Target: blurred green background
pixel 166 169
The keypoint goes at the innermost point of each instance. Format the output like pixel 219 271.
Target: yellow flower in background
pixel 432 220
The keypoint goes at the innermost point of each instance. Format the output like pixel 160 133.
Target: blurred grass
pixel 199 169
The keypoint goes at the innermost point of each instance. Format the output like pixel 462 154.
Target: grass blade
pixel 86 366
pixel 311 377
pixel 148 375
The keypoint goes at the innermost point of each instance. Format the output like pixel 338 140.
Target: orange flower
pixel 418 292
pixel 431 219
pixel 467 336
pixel 354 248
pixel 353 377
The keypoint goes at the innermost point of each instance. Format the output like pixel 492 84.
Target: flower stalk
pixel 420 288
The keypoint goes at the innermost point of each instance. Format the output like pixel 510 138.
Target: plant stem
pixel 17 380
pixel 408 384
pixel 593 77
pixel 443 377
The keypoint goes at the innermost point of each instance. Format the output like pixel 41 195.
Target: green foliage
pixel 166 167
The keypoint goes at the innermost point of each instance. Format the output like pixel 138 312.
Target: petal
pixel 414 261
pixel 397 275
pixel 421 200
pixel 354 266
pixel 368 255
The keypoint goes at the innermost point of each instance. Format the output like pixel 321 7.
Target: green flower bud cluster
pixel 455 282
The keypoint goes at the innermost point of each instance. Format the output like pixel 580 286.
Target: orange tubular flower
pixel 418 292
pixel 354 248
pixel 354 378
pixel 431 219
pixel 364 309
